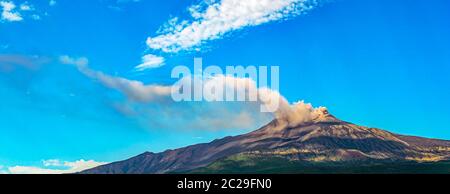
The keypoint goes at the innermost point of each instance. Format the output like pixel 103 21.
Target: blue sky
pixel 378 63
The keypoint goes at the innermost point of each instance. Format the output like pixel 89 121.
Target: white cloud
pixel 32 170
pixel 149 62
pixel 80 165
pixel 2 171
pixel 69 167
pixel 26 7
pixel 214 19
pixel 52 162
pixel 12 13
pixel 9 13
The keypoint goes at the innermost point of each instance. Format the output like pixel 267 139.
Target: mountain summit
pixel 323 139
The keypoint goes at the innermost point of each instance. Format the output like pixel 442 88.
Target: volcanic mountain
pixel 324 140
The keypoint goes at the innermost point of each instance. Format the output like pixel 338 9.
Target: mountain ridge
pixel 324 139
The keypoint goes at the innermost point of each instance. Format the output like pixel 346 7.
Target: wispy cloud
pixel 9 12
pixel 55 166
pixel 134 90
pixel 26 7
pixel 213 19
pixel 149 62
pixel 13 12
pixel 9 62
pixel 146 101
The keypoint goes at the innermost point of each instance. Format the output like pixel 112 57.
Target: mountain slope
pixel 325 139
pixel 246 163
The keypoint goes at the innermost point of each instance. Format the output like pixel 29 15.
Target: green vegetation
pixel 251 164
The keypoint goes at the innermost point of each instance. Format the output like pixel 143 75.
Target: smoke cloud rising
pixel 290 114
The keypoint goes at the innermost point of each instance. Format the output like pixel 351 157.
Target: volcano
pixel 325 142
